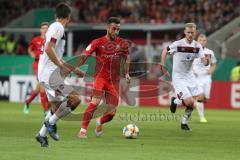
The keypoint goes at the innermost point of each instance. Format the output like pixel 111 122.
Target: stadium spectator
pixel 11 45
pixel 209 15
pixel 3 41
pixel 235 73
pixel 22 45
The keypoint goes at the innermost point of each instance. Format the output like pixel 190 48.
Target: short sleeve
pixel 55 33
pixel 172 48
pixel 91 48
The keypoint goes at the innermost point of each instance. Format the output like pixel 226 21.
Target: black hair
pixel 62 10
pixel 113 20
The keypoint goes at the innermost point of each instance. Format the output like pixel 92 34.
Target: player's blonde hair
pixel 202 36
pixel 190 25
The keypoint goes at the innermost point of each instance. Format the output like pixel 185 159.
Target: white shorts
pixel 205 85
pixel 56 89
pixel 186 86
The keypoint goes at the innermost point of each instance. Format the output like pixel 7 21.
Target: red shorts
pixel 35 69
pixel 109 89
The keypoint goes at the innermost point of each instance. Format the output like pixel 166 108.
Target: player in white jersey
pixel 184 51
pixel 63 98
pixel 203 75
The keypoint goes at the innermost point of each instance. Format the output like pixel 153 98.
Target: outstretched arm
pixel 86 53
pixel 81 61
pixel 74 69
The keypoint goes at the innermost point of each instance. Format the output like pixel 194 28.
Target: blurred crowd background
pixel 209 15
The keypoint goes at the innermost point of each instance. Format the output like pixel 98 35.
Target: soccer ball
pixel 130 131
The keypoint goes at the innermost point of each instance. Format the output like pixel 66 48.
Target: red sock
pixel 44 100
pixel 106 117
pixel 32 96
pixel 87 116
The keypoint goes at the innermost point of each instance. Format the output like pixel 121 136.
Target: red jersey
pixel 36 45
pixel 109 54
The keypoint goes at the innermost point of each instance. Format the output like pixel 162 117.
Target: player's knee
pixel 189 103
pixel 73 101
pixel 205 100
pixel 112 102
pixel 96 100
pixel 54 106
pixel 200 98
pixel 111 109
pixel 112 113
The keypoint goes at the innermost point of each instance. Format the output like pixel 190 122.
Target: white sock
pixel 83 130
pixel 43 130
pixel 200 109
pixel 48 115
pixel 177 101
pixel 187 115
pixel 53 119
pixel 98 121
pixel 62 111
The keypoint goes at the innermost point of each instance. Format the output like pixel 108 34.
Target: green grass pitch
pixel 159 139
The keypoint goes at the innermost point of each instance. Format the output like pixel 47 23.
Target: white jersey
pixel 183 56
pixel 56 35
pixel 199 68
pixel 183 79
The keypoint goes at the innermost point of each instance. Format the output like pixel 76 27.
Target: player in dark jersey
pixel 34 50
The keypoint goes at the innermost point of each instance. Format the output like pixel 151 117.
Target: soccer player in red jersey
pixel 34 49
pixel 109 50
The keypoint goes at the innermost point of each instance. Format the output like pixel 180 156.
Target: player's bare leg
pixel 88 114
pixel 42 135
pixel 112 103
pixel 34 93
pixel 65 107
pixel 108 116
